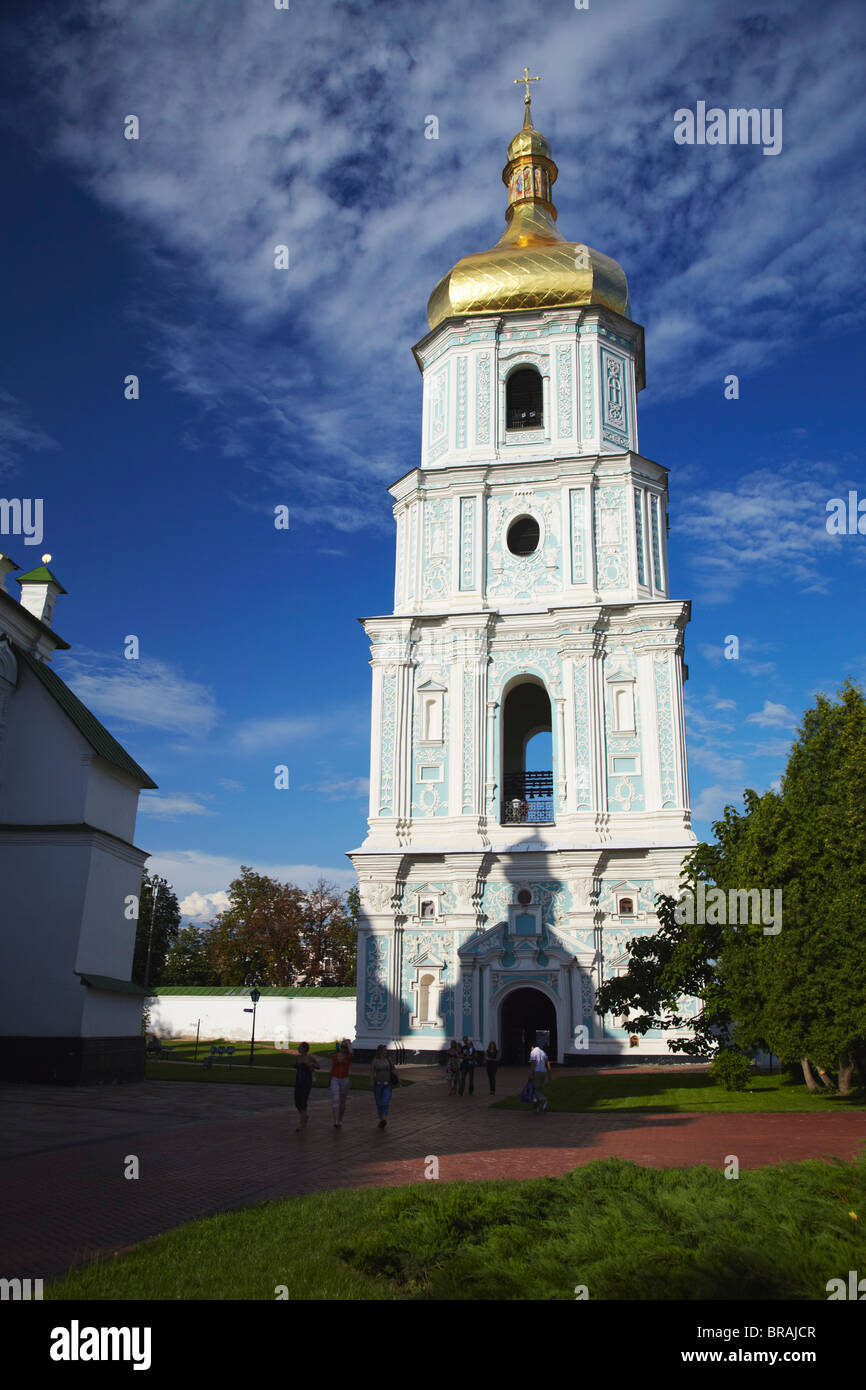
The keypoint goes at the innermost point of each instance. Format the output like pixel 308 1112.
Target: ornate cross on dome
pixel 526 79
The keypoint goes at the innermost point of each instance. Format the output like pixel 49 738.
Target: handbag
pixel 395 1080
pixel 528 1093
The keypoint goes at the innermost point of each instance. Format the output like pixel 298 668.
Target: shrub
pixel 731 1069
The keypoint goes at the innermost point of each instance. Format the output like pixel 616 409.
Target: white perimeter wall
pixel 277 1018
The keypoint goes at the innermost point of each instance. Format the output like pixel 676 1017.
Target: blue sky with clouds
pixel 261 387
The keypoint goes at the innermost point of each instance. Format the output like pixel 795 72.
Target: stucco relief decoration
pixel 417 944
pixel 438 413
pixel 467 542
pixel 430 798
pixel 461 402
pixel 437 548
pixel 468 780
pixel 386 789
pixel 584 893
pixel 588 404
pixel 565 395
pixel 376 982
pixel 664 707
pixel 581 731
pixel 482 398
pixel 578 565
pixel 610 532
pixel 521 577
pixel 587 997
pixel 516 660
pixel 615 401
pixel 638 527
pixel 413 549
pixel 467 993
pixel 376 895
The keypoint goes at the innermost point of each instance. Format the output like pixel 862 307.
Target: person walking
pixel 491 1061
pixel 539 1071
pixel 382 1075
pixel 340 1064
pixel 468 1058
pixel 452 1067
pixel 305 1068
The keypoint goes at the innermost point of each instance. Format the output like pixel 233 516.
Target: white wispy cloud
pixel 19 437
pixel 745 661
pixel 200 881
pixel 241 150
pixel 773 716
pixel 342 789
pixel 147 693
pixel 767 526
pixel 259 735
pixel 165 806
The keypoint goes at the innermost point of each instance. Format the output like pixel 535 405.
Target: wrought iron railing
pixel 527 798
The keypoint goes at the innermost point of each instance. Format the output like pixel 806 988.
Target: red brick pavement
pixel 65 1202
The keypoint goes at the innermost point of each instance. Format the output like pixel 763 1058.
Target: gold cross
pixel 527 79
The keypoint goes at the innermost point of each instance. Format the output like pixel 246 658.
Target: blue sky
pixel 260 388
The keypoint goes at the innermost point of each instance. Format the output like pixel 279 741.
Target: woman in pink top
pixel 340 1064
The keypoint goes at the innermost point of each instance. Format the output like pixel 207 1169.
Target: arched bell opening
pixel 524 400
pixel 527 755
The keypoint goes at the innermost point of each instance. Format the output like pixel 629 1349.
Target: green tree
pixel 158 926
pixel 258 938
pixel 188 959
pixel 800 992
pixel 329 937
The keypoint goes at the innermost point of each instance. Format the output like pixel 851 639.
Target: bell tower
pixel 528 777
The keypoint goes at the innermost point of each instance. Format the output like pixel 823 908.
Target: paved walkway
pixel 204 1149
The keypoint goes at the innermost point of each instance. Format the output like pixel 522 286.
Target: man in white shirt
pixel 539 1071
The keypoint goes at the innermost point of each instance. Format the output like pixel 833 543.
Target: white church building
pixel 69 871
pixel 529 788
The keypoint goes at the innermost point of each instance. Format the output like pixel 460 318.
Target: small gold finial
pixel 526 79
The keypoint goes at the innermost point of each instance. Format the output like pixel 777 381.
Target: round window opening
pixel 523 536
pixel 524 897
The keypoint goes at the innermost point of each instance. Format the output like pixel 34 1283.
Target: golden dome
pixel 531 266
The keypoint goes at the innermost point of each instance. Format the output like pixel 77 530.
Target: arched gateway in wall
pixel 528 781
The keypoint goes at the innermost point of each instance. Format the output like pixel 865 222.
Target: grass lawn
pixel 624 1231
pixel 272 1067
pixel 672 1091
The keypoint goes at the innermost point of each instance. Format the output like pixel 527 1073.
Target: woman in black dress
pixel 306 1065
pixel 491 1061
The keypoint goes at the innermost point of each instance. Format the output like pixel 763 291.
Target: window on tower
pixel 523 536
pixel 524 396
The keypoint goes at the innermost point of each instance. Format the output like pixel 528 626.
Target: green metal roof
pixel 41 575
pixel 107 982
pixel 238 991
pixel 100 740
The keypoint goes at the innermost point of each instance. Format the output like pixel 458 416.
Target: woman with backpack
pixel 384 1078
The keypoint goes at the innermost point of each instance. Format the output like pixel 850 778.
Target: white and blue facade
pixel 480 914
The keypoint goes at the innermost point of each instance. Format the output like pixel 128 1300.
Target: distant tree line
pixel 271 933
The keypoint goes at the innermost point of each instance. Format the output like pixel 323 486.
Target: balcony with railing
pixel 527 798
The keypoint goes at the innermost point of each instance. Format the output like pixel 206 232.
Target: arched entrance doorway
pixel 523 1013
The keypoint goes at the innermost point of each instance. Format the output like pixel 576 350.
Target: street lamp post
pixel 255 996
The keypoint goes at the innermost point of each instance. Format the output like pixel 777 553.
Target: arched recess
pixel 524 399
pixel 522 1009
pixel 526 793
